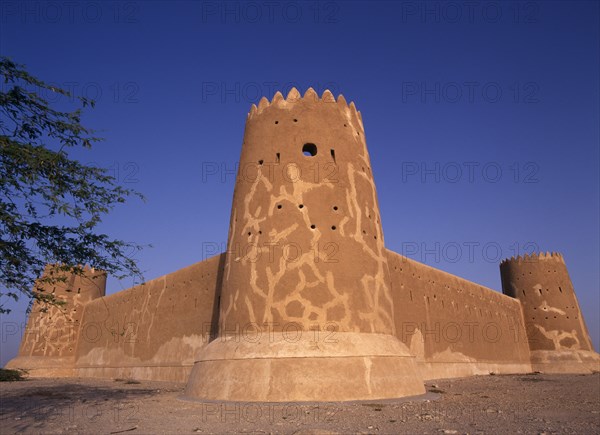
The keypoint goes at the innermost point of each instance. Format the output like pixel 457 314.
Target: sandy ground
pixel 535 403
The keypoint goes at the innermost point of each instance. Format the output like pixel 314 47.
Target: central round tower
pixel 306 310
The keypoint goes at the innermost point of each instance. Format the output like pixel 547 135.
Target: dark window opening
pixel 333 155
pixel 277 157
pixel 309 149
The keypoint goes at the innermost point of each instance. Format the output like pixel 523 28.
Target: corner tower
pixel 50 339
pixel 306 311
pixel 556 331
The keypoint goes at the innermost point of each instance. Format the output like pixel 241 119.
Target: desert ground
pixel 528 404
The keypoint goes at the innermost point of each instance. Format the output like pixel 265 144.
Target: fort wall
pixel 154 330
pixel 307 303
pixel 456 327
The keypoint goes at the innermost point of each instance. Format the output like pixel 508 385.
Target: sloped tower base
pixel 280 368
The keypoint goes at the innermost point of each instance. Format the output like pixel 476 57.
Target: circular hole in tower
pixel 309 149
pixel 313 226
pixel 300 205
pixel 335 207
pixel 333 227
pixel 279 206
pixel 276 122
pixel 260 162
pixel 295 120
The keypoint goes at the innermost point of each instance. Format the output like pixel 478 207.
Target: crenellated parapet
pixel 534 257
pixel 326 101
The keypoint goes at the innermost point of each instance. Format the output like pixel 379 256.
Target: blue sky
pixel 481 118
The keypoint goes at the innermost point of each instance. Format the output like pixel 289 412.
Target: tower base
pixel 347 366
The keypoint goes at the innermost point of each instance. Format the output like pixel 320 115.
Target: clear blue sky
pixel 507 93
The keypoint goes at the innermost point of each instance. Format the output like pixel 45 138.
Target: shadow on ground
pixel 31 406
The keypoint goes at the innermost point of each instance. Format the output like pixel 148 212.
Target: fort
pixel 306 303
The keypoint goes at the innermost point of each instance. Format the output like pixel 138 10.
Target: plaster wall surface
pixel 557 333
pixel 456 327
pixel 154 330
pixel 49 343
pixel 304 216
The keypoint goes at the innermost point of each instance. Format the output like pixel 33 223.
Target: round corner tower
pixel 558 337
pixel 306 311
pixel 51 337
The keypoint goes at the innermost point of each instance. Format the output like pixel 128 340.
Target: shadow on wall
pixel 214 322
